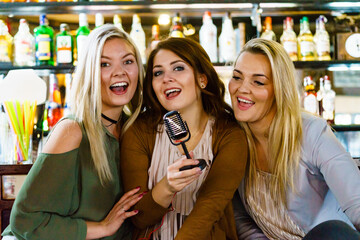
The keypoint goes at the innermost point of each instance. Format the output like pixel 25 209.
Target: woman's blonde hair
pixel 86 100
pixel 285 131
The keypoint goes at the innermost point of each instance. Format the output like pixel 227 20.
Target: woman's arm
pixel 336 165
pixel 226 173
pixel 246 228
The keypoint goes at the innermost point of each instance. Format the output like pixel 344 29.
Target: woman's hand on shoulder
pixel 116 216
pixel 66 136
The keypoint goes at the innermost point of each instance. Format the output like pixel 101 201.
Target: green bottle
pixel 64 46
pixel 44 43
pixel 81 35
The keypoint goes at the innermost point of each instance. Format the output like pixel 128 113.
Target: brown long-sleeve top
pixel 212 216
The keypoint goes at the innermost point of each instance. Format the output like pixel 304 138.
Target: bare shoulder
pixel 66 136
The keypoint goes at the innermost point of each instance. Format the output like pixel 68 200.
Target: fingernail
pixel 143 193
pixel 138 187
pixel 136 211
pixel 196 161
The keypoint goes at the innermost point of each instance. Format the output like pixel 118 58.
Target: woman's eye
pixel 129 61
pixel 236 78
pixel 259 83
pixel 179 68
pixel 157 73
pixel 104 64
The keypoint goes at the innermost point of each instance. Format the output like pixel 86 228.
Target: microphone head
pixel 175 127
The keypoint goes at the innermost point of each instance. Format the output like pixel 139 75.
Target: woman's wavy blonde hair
pixel 86 101
pixel 285 131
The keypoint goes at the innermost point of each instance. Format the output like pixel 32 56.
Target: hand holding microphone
pixel 177 130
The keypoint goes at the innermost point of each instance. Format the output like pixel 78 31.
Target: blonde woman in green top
pixel 73 189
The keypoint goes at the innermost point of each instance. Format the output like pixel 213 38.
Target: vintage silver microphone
pixel 177 130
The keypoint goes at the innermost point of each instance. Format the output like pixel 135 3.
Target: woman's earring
pixel 202 85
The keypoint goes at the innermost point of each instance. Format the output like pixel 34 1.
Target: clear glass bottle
pixel 288 39
pixel 155 36
pixel 137 34
pixel 322 40
pixel 44 43
pixel 227 46
pixel 306 42
pixel 24 46
pixel 117 22
pixel 268 33
pixel 208 37
pixel 64 46
pixel 310 99
pixel 320 95
pixel 81 35
pixel 99 20
pixel 328 101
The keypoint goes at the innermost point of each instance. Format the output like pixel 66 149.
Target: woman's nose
pixel 118 71
pixel 168 77
pixel 244 87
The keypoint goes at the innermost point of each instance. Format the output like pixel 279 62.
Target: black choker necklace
pixel 109 119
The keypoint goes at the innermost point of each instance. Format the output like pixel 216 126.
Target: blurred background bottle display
pixel 177 29
pixel 81 35
pixel 44 43
pixel 322 40
pixel 288 39
pixel 6 43
pixel 227 46
pixel 64 46
pixel 99 20
pixel 53 105
pixel 306 42
pixel 68 79
pixel 268 33
pixel 208 37
pixel 240 37
pixel 328 101
pixel 117 22
pixel 24 45
pixel 320 95
pixel 155 36
pixel 137 34
pixel 310 99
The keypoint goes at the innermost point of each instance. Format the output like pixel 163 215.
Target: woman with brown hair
pixel 194 203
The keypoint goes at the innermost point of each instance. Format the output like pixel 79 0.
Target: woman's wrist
pixel 95 230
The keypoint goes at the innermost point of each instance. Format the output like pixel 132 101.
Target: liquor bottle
pixel 322 40
pixel 99 20
pixel 53 103
pixel 118 22
pixel 328 101
pixel 64 46
pixel 310 100
pixel 227 46
pixel 44 43
pixel 288 39
pixel 306 42
pixel 68 79
pixel 6 43
pixel 320 95
pixel 240 37
pixel 81 35
pixel 177 29
pixel 268 33
pixel 208 37
pixel 137 34
pixel 155 36
pixel 24 46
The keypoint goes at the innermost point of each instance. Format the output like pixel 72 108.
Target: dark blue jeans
pixel 332 230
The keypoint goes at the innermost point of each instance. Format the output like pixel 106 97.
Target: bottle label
pixel 63 46
pixel 307 48
pixel 4 51
pixel 23 52
pixel 310 103
pixel 43 51
pixel 81 42
pixel 290 47
pixel 323 48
